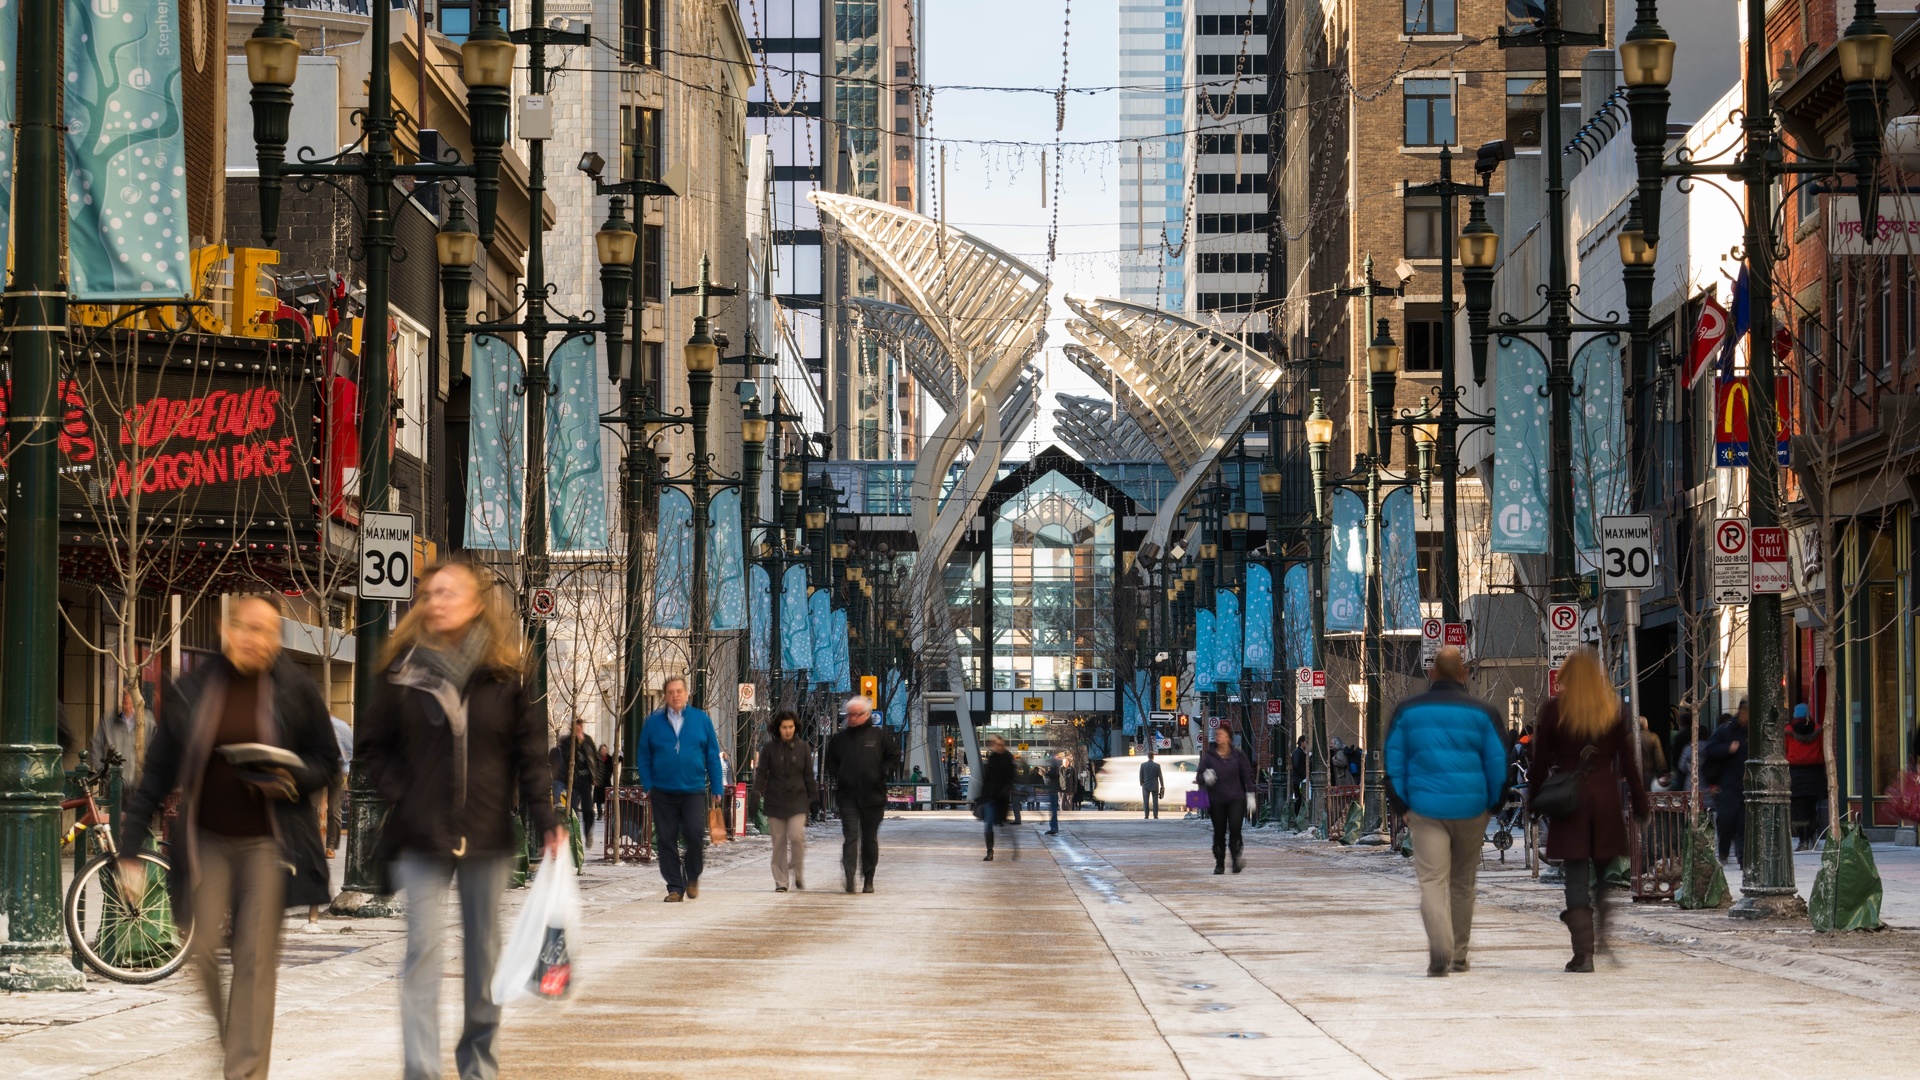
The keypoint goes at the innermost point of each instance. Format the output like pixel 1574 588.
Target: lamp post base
pixel 1769 906
pixel 39 970
pixel 364 905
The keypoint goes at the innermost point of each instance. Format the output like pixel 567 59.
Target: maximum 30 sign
pixel 1626 551
pixel 386 556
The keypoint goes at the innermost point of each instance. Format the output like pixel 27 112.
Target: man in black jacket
pixel 246 823
pixel 861 757
pixel 576 770
pixel 1724 769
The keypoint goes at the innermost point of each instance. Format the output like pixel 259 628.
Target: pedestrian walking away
pixel 575 764
pixel 449 740
pixel 337 787
pixel 1297 782
pixel 123 733
pixel 1587 732
pixel 1723 768
pixel 861 757
pixel 1227 775
pixel 1806 777
pixel 996 794
pixel 678 761
pixel 1446 771
pixel 244 738
pixel 783 786
pixel 1153 787
pixel 1056 780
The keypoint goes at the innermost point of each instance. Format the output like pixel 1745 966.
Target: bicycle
pixel 129 939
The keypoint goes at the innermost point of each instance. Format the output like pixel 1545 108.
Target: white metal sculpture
pixel 1190 387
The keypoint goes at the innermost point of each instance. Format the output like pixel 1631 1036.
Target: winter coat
pixel 1732 777
pixel 687 762
pixel 1232 775
pixel 585 760
pixel 177 760
pixel 1653 760
pixel 996 787
pixel 118 734
pixel 783 783
pixel 1445 759
pixel 861 760
pixel 1804 747
pixel 1599 829
pixel 437 806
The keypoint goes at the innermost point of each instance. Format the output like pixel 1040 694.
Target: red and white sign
pixel 1275 714
pixel 1319 686
pixel 1303 685
pixel 1430 632
pixel 1563 632
pixel 1732 565
pixel 1708 336
pixel 1456 635
pixel 1769 563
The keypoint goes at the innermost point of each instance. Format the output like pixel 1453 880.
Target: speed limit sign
pixel 386 556
pixel 1626 551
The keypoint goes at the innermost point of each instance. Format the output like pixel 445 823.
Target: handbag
pixel 1559 794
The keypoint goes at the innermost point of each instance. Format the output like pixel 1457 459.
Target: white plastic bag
pixel 537 964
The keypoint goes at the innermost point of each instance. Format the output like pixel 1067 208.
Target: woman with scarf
pixel 448 740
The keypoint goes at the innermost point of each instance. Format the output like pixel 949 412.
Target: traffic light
pixel 870 687
pixel 1169 693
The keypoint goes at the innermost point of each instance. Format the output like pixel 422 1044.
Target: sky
pixel 994 192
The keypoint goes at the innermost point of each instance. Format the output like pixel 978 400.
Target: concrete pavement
pixel 1109 950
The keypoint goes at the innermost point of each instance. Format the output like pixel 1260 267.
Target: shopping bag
pixel 716 826
pixel 536 963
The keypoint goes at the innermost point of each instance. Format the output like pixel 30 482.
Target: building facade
pixel 1152 170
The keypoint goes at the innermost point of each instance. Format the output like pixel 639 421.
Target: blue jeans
pixel 678 815
pixel 424 879
pixel 1053 811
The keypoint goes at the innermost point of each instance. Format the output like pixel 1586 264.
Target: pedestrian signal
pixel 1169 693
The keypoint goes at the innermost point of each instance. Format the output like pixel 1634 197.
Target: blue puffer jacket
pixel 1444 755
pixel 687 762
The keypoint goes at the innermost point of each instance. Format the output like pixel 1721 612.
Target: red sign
pixel 1457 634
pixel 1770 560
pixel 1275 712
pixel 1553 682
pixel 1707 338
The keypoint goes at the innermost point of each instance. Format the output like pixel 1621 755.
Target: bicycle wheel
pixel 126 939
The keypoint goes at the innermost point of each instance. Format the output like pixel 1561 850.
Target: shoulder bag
pixel 1559 794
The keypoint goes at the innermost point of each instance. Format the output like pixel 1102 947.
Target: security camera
pixel 592 164
pixel 1404 271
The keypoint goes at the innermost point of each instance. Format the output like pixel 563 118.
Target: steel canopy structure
pixel 1189 387
pixel 1097 430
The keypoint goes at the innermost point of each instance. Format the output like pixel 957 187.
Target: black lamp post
pixel 273 60
pixel 1866 64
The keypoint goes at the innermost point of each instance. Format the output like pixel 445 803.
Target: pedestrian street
pixel 1109 950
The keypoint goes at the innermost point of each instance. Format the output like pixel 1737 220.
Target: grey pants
pixel 1446 859
pixel 336 802
pixel 239 883
pixel 789 847
pixel 424 878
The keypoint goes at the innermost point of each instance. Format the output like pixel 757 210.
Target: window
pixel 455 19
pixel 1224 144
pixel 1425 337
pixel 902 193
pixel 1225 183
pixel 1227 301
pixel 900 70
pixel 640 26
pixel 900 99
pixel 902 153
pixel 1883 314
pixel 1233 262
pixel 1429 112
pixel 653 237
pixel 1236 104
pixel 1231 64
pixel 1423 238
pixel 639 143
pixel 1221 25
pixel 1430 17
pixel 1235 223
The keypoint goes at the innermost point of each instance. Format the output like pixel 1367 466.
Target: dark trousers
pixel 1730 814
pixel 1586 883
pixel 680 815
pixel 1227 815
pixel 860 836
pixel 1053 811
pixel 1807 810
pixel 336 798
pixel 1150 805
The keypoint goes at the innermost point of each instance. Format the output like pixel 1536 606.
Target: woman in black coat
pixel 448 741
pixel 996 792
pixel 784 785
pixel 1227 774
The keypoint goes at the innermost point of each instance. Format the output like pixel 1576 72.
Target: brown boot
pixel 1580 926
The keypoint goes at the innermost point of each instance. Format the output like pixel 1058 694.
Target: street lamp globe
pixel 816 520
pixel 840 549
pixel 1383 356
pixel 273 54
pixel 792 477
pixel 1272 480
pixel 1319 425
pixel 1865 50
pixel 701 353
pixel 616 241
pixel 753 431
pixel 486 57
pixel 456 244
pixel 1646 56
pixel 1237 520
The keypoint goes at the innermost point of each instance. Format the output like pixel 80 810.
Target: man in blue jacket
pixel 1446 771
pixel 678 760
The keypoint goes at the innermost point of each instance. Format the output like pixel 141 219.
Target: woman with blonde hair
pixel 447 740
pixel 1585 731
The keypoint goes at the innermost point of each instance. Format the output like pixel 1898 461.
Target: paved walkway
pixel 1110 950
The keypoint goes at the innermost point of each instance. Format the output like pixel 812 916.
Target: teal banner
pixel 496 447
pixel 9 53
pixel 726 564
pixel 1259 632
pixel 1226 638
pixel 1347 564
pixel 1519 495
pixel 896 700
pixel 842 654
pixel 1133 714
pixel 760 592
pixel 1599 439
pixel 1203 650
pixel 826 655
pixel 673 574
pixel 796 625
pixel 126 154
pixel 576 491
pixel 1400 562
